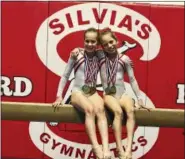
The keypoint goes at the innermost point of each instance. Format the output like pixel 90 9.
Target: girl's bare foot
pixel 106 154
pixel 128 155
pixel 120 154
pixel 98 152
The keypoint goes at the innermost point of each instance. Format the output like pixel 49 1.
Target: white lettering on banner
pixel 180 94
pixel 68 150
pixel 72 19
pixel 22 86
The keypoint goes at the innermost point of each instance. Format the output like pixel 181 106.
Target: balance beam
pixel 43 112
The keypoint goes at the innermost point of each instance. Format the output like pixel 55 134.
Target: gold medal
pixel 93 90
pixel 86 89
pixel 113 89
pixel 107 90
pixel 111 71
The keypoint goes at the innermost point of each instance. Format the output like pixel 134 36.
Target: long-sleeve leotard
pixel 124 66
pixel 78 65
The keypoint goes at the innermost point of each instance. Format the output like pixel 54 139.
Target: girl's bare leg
pixel 113 104
pixel 127 103
pixel 102 122
pixel 82 102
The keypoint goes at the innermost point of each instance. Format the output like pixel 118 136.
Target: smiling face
pixel 109 42
pixel 90 41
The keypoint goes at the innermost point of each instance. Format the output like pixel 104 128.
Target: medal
pixel 93 90
pixel 111 71
pixel 110 90
pixel 113 89
pixel 86 89
pixel 107 90
pixel 90 71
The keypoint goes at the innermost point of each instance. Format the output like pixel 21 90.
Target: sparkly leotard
pixel 124 66
pixel 78 65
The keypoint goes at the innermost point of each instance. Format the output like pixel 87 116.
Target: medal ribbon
pixel 111 70
pixel 91 70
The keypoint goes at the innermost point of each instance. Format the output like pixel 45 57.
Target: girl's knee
pixel 130 112
pixel 89 111
pixel 100 111
pixel 118 113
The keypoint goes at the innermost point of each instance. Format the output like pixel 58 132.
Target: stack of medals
pixel 111 70
pixel 91 71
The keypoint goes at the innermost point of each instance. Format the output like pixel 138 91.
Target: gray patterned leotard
pixel 78 65
pixel 124 66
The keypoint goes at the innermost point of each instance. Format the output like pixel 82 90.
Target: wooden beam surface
pixel 22 111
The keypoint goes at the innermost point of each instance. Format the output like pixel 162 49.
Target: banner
pixel 37 38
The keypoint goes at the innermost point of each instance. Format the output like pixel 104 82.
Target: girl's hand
pixel 57 103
